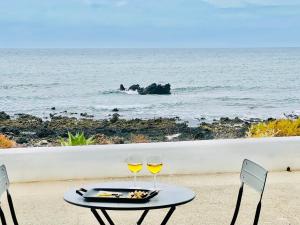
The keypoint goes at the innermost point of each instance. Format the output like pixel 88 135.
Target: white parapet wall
pixel 190 157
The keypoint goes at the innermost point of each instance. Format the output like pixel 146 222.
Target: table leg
pixel 169 214
pixel 142 217
pixel 107 217
pixel 98 217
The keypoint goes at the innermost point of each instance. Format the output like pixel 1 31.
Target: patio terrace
pixel 41 203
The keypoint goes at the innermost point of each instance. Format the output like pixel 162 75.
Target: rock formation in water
pixel 152 89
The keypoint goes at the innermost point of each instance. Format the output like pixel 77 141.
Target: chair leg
pixel 3 221
pixel 11 207
pixel 238 204
pixel 257 213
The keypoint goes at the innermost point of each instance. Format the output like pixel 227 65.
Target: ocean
pixel 205 83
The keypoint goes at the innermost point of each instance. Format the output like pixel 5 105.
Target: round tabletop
pixel 168 196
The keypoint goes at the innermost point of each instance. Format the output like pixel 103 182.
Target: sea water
pixel 205 83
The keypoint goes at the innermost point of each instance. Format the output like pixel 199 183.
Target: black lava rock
pixel 115 118
pixel 122 88
pixel 155 89
pixel 22 140
pixel 134 87
pixel 86 115
pixel 45 132
pixel 4 116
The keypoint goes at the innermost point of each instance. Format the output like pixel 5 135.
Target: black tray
pixel 91 195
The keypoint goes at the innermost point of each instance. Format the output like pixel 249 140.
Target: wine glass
pixel 154 165
pixel 135 165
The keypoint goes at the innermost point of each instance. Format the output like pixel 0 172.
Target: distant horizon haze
pixel 153 23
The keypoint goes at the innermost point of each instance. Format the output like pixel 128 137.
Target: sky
pixel 149 23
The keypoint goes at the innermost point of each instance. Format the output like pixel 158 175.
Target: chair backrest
pixel 4 185
pixel 254 176
pixel 4 182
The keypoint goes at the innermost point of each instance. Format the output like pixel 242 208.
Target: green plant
pixel 77 139
pixel 275 128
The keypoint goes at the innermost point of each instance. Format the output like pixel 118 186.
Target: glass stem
pixel 134 180
pixel 155 181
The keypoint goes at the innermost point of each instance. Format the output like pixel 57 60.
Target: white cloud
pixel 243 3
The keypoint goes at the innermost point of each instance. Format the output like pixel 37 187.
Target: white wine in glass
pixel 154 165
pixel 135 165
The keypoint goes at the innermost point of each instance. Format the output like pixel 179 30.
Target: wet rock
pixel 4 116
pixel 122 88
pixel 86 115
pixel 45 132
pixel 204 134
pixel 224 119
pixel 237 120
pixel 155 89
pixel 22 140
pixel 52 115
pixel 53 108
pixel 9 130
pixel 270 119
pixel 291 116
pixel 115 110
pixel 134 87
pixel 115 118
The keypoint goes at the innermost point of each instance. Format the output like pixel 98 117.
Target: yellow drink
pixel 154 167
pixel 135 167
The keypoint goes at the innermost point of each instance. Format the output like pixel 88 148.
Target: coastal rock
pixel 152 89
pixel 203 134
pixel 42 143
pixel 115 118
pixel 115 110
pixel 45 132
pixel 122 88
pixel 155 89
pixel 292 116
pixel 22 140
pixel 4 116
pixel 86 115
pixel 134 87
pixel 53 108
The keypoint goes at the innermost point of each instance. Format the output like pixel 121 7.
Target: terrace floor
pixel 41 203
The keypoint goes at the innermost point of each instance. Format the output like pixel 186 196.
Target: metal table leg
pixel 140 221
pixel 107 217
pixel 169 214
pixel 98 217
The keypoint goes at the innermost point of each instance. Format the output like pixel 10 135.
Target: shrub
pixel 77 139
pixel 6 142
pixel 139 138
pixel 275 128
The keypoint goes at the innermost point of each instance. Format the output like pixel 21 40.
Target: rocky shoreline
pixel 28 130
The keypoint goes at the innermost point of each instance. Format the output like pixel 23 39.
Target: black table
pixel 169 196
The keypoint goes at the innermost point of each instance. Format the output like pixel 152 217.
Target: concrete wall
pixel 56 163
